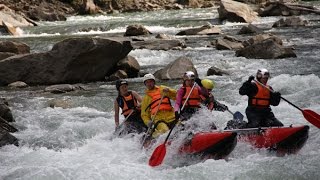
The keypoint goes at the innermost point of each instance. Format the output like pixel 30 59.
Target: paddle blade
pixel 312 117
pixel 238 116
pixel 158 155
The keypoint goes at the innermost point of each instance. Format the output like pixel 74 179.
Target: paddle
pixel 118 128
pixel 236 116
pixel 308 114
pixel 152 122
pixel 160 152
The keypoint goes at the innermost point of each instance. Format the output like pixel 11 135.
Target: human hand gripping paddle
pixel 309 115
pixel 149 133
pixel 117 130
pixel 237 116
pixel 160 152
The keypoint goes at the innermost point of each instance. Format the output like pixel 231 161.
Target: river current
pixel 76 143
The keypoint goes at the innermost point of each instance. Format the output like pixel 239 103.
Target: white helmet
pixel 188 75
pixel 148 76
pixel 262 73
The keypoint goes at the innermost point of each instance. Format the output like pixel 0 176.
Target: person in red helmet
pixel 259 112
pixel 129 102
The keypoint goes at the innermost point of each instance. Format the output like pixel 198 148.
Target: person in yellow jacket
pixel 156 109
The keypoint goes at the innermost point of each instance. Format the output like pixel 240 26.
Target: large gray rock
pixel 236 12
pixel 5 111
pixel 176 69
pixel 6 138
pixel 70 61
pixel 266 49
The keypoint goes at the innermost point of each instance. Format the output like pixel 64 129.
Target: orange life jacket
pixel 127 103
pixel 194 98
pixel 156 97
pixel 262 98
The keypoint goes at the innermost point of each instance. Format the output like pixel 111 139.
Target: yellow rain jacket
pixel 150 104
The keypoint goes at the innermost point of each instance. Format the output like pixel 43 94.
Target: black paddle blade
pixel 238 116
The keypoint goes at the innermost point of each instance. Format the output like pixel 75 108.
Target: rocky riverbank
pixel 47 10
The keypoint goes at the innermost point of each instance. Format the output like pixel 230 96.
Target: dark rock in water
pixel 6 126
pixel 6 138
pixel 5 111
pixel 74 60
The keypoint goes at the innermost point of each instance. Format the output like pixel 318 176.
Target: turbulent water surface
pixel 77 143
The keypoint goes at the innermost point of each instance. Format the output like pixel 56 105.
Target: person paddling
pixel 259 112
pixel 129 102
pixel 200 94
pixel 156 110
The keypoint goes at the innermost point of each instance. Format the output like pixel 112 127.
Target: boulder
pixel 18 84
pixel 279 8
pixel 270 48
pixel 130 65
pixel 290 22
pixel 204 30
pixel 159 44
pixel 176 69
pixel 234 11
pixel 74 60
pixel 136 30
pixel 216 71
pixel 6 138
pixel 14 47
pixel 5 111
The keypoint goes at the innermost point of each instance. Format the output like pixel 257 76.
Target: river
pixel 76 143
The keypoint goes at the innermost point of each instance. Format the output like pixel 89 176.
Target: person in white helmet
pixel 156 109
pixel 259 112
pixel 200 94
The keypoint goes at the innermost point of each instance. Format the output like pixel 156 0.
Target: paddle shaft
pixel 152 121
pixel 184 104
pixel 280 96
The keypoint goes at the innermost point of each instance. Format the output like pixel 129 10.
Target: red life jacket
pixel 127 103
pixel 156 97
pixel 262 98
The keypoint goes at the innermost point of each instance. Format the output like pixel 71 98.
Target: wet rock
pixel 234 11
pixel 14 47
pixel 216 71
pixel 5 111
pixel 290 22
pixel 176 69
pixel 204 30
pixel 74 60
pixel 6 138
pixel 136 30
pixel 18 84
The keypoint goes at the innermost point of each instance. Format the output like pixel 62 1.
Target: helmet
pixel 188 75
pixel 120 82
pixel 262 73
pixel 207 83
pixel 148 77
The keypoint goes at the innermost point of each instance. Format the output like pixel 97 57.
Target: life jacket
pixel 262 98
pixel 127 103
pixel 156 97
pixel 195 97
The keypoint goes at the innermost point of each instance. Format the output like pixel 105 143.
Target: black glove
pixel 198 81
pixel 221 107
pixel 276 94
pixel 177 115
pixel 250 79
